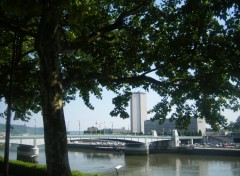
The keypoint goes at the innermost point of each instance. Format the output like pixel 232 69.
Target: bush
pixel 21 168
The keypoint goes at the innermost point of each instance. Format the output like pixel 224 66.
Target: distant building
pixel 211 132
pixel 195 126
pixel 92 129
pixel 95 130
pixel 138 112
pixel 120 131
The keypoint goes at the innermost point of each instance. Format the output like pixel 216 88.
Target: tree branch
pixel 113 78
pixel 5 22
pixel 8 23
pixel 111 27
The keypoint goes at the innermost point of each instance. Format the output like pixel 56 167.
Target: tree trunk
pixel 47 45
pixel 15 52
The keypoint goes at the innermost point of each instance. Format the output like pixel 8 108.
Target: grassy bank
pixel 20 168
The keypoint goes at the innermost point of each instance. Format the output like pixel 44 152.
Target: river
pixel 151 165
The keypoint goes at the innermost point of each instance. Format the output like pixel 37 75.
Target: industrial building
pixel 197 125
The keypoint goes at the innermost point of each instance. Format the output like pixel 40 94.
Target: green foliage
pixel 234 126
pixel 77 173
pixel 121 102
pixel 199 133
pixel 21 168
pixel 186 51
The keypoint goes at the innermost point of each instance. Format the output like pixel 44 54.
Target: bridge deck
pixel 39 139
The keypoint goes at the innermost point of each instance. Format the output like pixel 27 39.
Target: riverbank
pixel 199 151
pixel 177 150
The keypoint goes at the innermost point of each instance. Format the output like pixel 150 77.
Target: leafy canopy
pixel 186 51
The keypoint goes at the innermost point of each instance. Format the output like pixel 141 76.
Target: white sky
pixel 76 111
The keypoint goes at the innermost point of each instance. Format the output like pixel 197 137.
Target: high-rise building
pixel 138 112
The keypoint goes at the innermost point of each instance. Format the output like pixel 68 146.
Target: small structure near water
pixel 28 153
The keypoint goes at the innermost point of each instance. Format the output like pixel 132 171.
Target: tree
pixel 234 126
pixel 237 124
pixel 188 52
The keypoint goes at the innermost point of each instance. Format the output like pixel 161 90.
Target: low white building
pixel 196 125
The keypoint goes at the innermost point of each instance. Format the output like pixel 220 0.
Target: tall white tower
pixel 138 112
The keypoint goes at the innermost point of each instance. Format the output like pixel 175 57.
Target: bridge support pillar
pixel 175 139
pixel 28 153
pixel 35 141
pixel 136 149
pixel 191 141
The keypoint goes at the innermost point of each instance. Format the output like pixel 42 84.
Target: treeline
pixel 21 129
pixel 234 126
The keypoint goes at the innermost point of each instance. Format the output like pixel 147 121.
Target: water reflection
pixel 90 154
pixel 151 165
pixel 177 165
pixel 97 156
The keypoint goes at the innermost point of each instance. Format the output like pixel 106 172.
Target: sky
pixel 76 113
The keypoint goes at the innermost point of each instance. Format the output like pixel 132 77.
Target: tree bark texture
pixel 55 136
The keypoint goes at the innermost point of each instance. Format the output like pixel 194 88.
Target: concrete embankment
pixel 199 151
pixel 213 151
pixel 98 147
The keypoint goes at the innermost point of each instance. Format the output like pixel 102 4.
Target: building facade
pixel 196 125
pixel 138 112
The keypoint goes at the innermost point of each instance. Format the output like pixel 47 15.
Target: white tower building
pixel 138 112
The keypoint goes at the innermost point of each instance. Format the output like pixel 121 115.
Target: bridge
pixel 39 139
pixel 134 144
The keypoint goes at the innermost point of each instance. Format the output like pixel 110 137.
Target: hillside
pixel 21 129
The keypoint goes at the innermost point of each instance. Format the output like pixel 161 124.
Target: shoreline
pixel 176 150
pixel 199 151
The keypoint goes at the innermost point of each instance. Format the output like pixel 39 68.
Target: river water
pixel 151 165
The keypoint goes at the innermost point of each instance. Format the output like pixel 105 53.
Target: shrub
pixel 21 168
